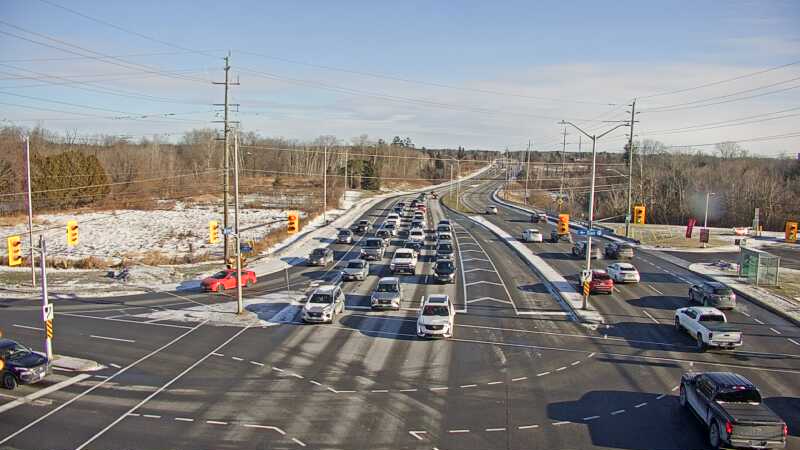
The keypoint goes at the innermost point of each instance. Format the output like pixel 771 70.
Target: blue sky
pixel 485 74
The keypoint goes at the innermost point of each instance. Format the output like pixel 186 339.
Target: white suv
pixel 436 317
pixel 324 304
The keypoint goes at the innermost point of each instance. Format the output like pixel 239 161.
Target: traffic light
pixel 72 233
pixel 14 251
pixel 791 231
pixel 563 224
pixel 293 225
pixel 639 214
pixel 213 231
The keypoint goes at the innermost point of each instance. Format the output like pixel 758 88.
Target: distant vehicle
pixel 579 250
pixel 731 407
pixel 357 228
pixel 356 269
pixel 414 245
pixel 436 317
pixel 403 233
pixel 417 223
pixel 434 195
pixel 708 326
pixel 20 365
pixel 538 218
pixel 321 256
pixel 601 283
pixel 393 218
pixel 623 273
pixel 365 223
pixel 619 250
pixel 422 208
pixel 401 205
pixel 430 234
pixel 444 228
pixel 345 237
pixel 713 294
pixel 443 222
pixel 404 261
pixel 385 235
pixel 372 249
pixel 324 304
pixel 532 235
pixel 555 237
pixel 444 250
pixel 227 279
pixel 391 227
pixel 416 234
pixel 491 210
pixel 387 294
pixel 444 271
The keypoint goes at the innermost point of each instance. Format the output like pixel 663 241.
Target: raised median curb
pixel 73 364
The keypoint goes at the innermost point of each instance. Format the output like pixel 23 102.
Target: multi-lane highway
pixel 518 373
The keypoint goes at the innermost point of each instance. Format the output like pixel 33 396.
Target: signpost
pixel 690 227
pixel 704 235
pixel 594 232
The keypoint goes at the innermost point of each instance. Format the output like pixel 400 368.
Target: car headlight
pixel 391 266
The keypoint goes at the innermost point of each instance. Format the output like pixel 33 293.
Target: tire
pixel 713 436
pixel 248 283
pixel 701 346
pixel 10 381
pixel 678 326
pixel 682 397
pixel 220 288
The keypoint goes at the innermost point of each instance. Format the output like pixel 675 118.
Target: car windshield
pixel 722 291
pixel 712 318
pixel 445 267
pixel 344 233
pixel 16 351
pixel 355 265
pixel 387 287
pixel 389 226
pixel 743 395
pixel 320 298
pixel 318 253
pixel 364 222
pixel 435 310
pixel 444 248
pixel 600 276
pixel 404 254
pixel 627 269
pixel 220 275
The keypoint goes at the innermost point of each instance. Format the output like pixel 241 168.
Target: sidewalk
pixel 562 290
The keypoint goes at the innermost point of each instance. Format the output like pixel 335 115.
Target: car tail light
pixel 728 428
pixel 785 430
pixel 710 335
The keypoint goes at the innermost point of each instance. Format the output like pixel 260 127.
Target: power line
pixel 688 105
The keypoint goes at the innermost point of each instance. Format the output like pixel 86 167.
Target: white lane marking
pixel 408 390
pixel 650 316
pixel 163 387
pixel 298 376
pixel 619 411
pixel 256 363
pixel 112 338
pixel 26 327
pixel 264 427
pixel 661 396
pixel 591 355
pixel 676 388
pixel 84 316
pixel 527 427
pixel 575 363
pixel 591 418
pixel 488 298
pixel 793 341
pixel 458 431
pixel 216 422
pixel 480 269
pixel 441 388
pixel 745 313
pixel 184 419
pixel 519 379
pixel 417 434
pixel 496 429
pixel 775 331
pixel 42 392
pixel 151 416
pixel 484 282
pixel 116 366
pixel 379 391
pixel 236 358
pixel 333 390
pixel 464 386
pixel 653 288
pixel 640 405
pixel 299 442
pixel 560 369
pixel 542 374
pixel 563 422
pixel 217 354
pixel 475 259
pixel 134 414
pixel 314 382
pixel 758 321
pixel 345 392
pixel 277 369
pixel 494 382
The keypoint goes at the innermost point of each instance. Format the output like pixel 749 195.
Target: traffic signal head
pixel 213 231
pixel 72 233
pixel 639 214
pixel 791 231
pixel 14 251
pixel 293 222
pixel 563 224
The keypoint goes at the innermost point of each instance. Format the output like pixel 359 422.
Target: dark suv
pixel 713 294
pixel 19 365
pixel 618 250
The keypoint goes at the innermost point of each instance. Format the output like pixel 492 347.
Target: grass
pixel 789 284
pixel 667 235
pixel 449 200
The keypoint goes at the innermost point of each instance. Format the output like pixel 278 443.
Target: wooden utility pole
pixel 226 177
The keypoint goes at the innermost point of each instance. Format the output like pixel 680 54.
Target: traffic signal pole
pixel 47 312
pixel 30 208
pixel 237 237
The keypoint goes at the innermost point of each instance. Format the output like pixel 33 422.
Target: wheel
pixel 691 297
pixel 713 436
pixel 701 346
pixel 248 283
pixel 682 397
pixel 220 288
pixel 678 326
pixel 9 381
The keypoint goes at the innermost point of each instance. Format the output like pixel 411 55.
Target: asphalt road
pixel 517 373
pixel 790 256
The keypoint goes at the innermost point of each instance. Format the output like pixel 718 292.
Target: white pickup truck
pixel 708 326
pixel 404 260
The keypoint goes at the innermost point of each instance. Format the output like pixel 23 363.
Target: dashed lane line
pixel 26 327
pixel 794 342
pixel 650 316
pixel 42 392
pixel 107 338
pixel 775 331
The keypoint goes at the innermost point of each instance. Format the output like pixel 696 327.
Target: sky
pixel 486 75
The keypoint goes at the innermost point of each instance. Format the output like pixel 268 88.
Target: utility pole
pixel 563 168
pixel 238 237
pixel 325 184
pixel 226 181
pixel 527 170
pixel 30 208
pixel 630 169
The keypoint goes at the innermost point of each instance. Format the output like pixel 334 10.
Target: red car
pixel 226 279
pixel 421 207
pixel 601 282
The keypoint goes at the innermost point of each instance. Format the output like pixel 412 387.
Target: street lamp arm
pixel 624 124
pixel 564 122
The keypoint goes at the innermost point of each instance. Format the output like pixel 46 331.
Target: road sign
pixel 586 275
pixel 227 231
pixel 590 232
pixel 704 235
pixel 245 248
pixel 47 312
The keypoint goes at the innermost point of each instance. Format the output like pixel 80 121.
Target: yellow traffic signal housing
pixel 14 250
pixel 563 224
pixel 72 233
pixel 639 214
pixel 791 231
pixel 213 231
pixel 293 224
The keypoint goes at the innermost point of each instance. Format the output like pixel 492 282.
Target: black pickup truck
pixel 730 406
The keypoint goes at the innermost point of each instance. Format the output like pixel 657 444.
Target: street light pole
pixel 325 184
pixel 630 169
pixel 527 169
pixel 705 221
pixel 238 237
pixel 594 139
